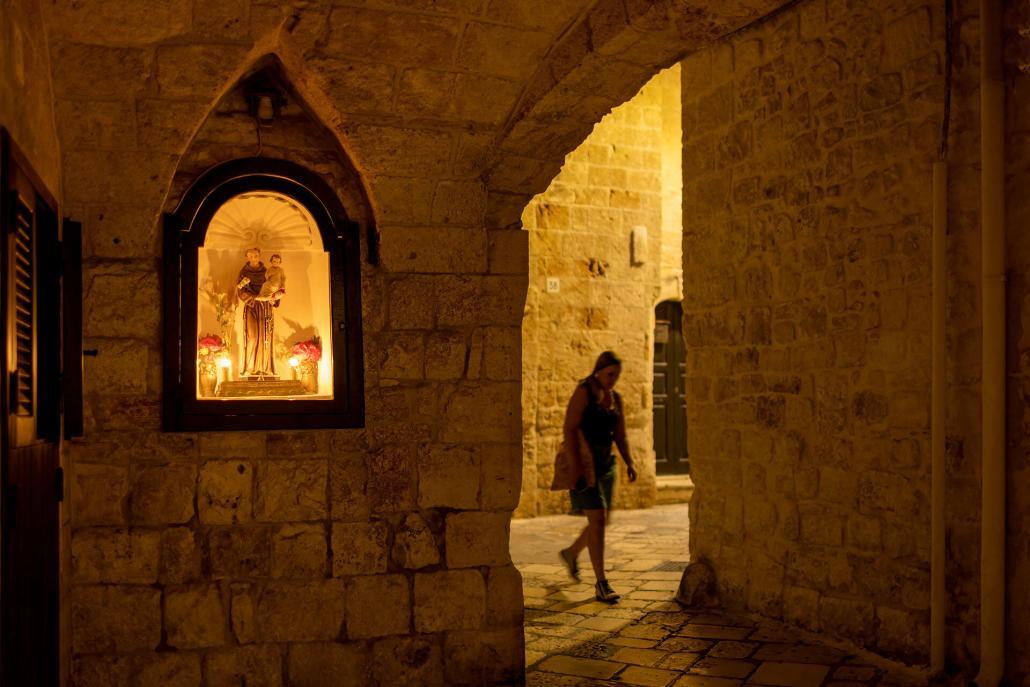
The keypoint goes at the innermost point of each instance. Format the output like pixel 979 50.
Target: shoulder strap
pixel 591 388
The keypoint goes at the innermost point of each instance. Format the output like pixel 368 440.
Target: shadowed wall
pixel 808 143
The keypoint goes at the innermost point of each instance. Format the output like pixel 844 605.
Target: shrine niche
pixel 259 339
pixel 264 328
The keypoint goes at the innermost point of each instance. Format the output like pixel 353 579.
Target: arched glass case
pixel 262 303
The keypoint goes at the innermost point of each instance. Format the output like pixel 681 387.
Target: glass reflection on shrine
pixel 263 335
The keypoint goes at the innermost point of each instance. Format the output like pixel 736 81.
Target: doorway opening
pixel 670 408
pixel 604 247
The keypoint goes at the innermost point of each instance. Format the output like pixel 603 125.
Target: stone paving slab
pixel 789 675
pixel 649 677
pixel 723 667
pixel 647 639
pixel 729 649
pixel 705 681
pixel 640 657
pixel 605 624
pixel 585 667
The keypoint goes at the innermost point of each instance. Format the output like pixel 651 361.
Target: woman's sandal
pixel 604 592
pixel 570 563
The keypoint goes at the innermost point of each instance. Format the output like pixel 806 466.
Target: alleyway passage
pixel 646 639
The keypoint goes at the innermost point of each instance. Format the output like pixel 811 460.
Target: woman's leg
pixel 592 538
pixel 595 540
pixel 581 542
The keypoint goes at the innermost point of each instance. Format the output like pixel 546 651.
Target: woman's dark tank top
pixel 599 423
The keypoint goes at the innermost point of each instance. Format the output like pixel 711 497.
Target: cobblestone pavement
pixel 647 639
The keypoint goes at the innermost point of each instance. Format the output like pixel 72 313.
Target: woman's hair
pixel 606 359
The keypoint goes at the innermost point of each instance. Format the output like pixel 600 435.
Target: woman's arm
pixel 622 444
pixel 573 418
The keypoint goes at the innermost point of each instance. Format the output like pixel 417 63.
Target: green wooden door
pixel 670 410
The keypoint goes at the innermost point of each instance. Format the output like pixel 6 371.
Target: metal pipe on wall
pixel 992 246
pixel 937 409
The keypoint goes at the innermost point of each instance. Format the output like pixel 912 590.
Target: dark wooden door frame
pixel 30 461
pixel 184 232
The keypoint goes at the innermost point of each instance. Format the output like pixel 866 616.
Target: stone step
pixel 674 489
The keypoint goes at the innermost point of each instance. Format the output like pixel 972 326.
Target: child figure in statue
pixel 275 280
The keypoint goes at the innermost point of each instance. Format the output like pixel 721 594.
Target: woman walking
pixel 596 410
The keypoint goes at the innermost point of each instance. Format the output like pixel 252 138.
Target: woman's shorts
pixel 597 497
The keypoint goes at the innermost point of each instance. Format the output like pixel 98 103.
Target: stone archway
pixel 596 65
pixel 604 243
pixel 806 364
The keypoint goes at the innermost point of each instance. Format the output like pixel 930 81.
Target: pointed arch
pixel 299 156
pixel 597 65
pixel 304 97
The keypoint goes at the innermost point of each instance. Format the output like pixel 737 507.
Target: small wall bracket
pixel 638 245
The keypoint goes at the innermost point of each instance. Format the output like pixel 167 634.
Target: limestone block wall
pixel 377 556
pixel 372 555
pixel 579 233
pixel 453 114
pixel 808 143
pixel 672 183
pixel 26 96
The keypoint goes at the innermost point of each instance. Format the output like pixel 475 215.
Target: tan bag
pixel 567 470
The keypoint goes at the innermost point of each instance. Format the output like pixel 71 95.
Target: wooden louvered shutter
pixel 31 304
pixel 23 287
pixel 21 314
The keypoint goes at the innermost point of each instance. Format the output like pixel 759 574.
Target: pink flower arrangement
pixel 210 344
pixel 308 351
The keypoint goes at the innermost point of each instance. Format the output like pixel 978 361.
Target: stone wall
pixel 672 183
pixel 808 143
pixel 26 98
pixel 448 112
pixel 251 555
pixel 272 557
pixel 580 233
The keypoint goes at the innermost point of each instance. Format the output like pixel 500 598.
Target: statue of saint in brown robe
pixel 258 319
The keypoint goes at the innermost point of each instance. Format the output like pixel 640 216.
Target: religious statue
pixel 259 288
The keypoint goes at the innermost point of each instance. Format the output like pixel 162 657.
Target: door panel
pixel 30 570
pixel 670 417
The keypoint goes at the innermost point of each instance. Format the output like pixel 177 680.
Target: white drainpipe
pixel 992 246
pixel 937 406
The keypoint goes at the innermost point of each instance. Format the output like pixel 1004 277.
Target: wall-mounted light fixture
pixel 265 105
